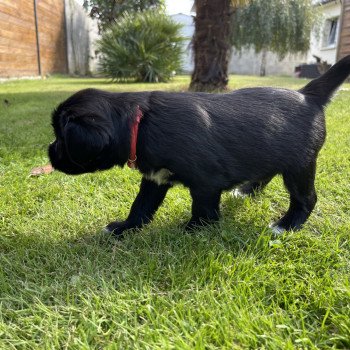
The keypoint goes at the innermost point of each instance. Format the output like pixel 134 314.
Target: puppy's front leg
pixel 205 207
pixel 149 198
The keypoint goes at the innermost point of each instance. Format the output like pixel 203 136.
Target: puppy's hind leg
pixel 300 184
pixel 149 198
pixel 250 188
pixel 205 207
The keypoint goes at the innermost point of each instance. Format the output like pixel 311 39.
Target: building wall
pixel 18 45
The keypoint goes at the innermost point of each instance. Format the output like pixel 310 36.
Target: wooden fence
pixel 32 37
pixel 344 38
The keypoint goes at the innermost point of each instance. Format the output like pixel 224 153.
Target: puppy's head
pixel 89 134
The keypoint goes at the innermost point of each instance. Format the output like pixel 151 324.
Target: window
pixel 330 32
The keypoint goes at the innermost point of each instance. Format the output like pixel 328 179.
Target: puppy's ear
pixel 84 140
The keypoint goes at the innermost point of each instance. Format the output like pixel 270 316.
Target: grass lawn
pixel 64 285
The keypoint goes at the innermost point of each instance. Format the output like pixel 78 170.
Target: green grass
pixel 63 285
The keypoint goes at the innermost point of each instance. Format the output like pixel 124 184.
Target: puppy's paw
pixel 116 228
pixel 191 226
pixel 276 229
pixel 195 224
pixel 238 193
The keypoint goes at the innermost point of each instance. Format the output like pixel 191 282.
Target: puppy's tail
pixel 322 88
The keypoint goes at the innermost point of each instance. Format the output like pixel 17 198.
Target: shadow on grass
pixel 161 256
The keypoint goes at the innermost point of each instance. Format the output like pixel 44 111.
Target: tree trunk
pixel 211 45
pixel 263 63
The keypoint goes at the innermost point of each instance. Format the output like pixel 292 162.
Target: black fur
pixel 208 142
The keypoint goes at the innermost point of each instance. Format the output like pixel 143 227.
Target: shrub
pixel 144 47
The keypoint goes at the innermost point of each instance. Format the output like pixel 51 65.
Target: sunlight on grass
pixel 63 285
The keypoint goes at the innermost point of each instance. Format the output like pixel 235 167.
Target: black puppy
pixel 208 142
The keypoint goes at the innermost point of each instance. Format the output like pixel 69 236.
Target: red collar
pixel 133 139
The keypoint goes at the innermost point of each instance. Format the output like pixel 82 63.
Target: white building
pixel 325 43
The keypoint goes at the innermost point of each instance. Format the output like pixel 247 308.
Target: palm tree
pixel 211 44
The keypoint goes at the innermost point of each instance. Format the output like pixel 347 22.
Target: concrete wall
pixel 249 63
